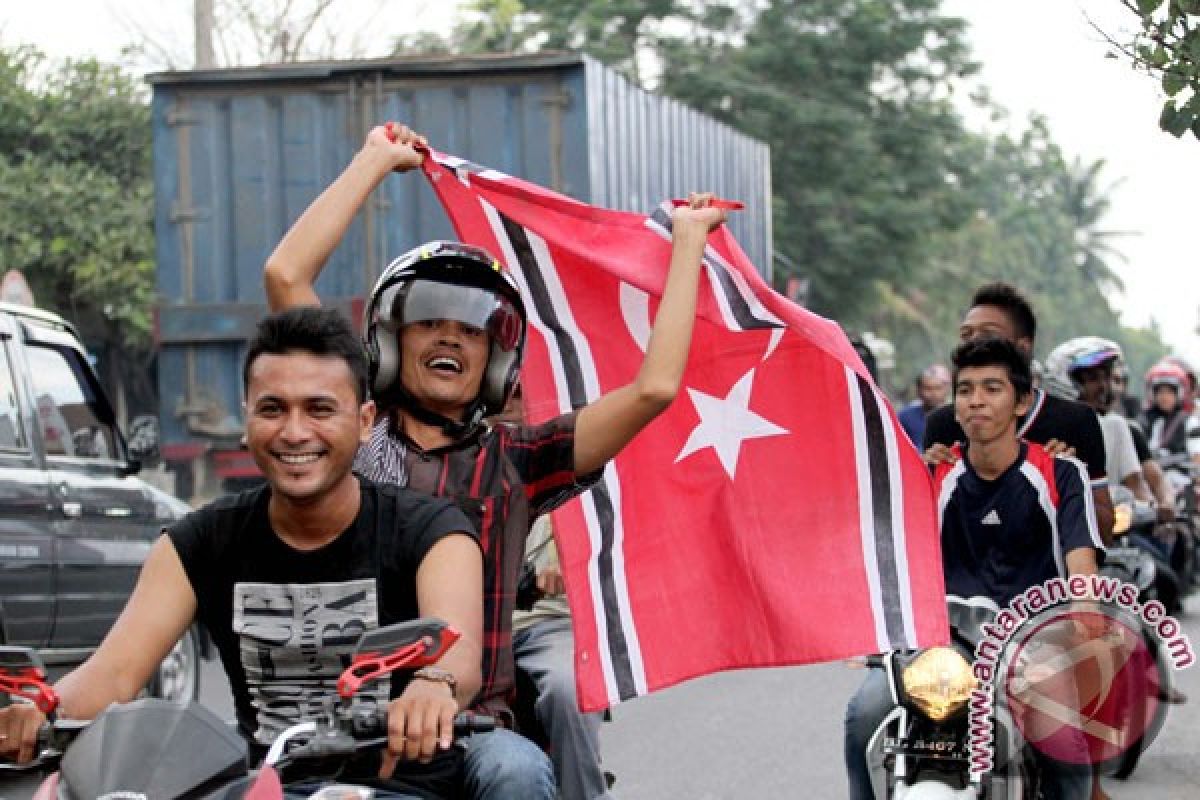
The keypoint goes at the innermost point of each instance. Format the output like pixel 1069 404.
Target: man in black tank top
pixel 286 577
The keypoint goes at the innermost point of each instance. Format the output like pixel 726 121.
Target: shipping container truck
pixel 239 154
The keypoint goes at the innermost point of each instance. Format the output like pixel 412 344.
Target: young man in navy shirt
pixel 999 310
pixel 1011 515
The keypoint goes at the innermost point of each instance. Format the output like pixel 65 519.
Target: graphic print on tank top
pixel 295 640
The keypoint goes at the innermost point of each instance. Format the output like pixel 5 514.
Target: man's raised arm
pixel 291 270
pixel 608 424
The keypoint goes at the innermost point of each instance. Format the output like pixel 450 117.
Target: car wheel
pixel 178 676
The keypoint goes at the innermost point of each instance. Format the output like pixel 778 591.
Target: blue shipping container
pixel 240 153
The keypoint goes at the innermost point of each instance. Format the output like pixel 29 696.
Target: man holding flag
pixel 744 529
pixel 446 331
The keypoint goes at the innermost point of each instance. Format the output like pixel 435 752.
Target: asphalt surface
pixel 778 734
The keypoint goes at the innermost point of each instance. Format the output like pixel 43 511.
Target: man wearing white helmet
pixel 445 333
pixel 1081 369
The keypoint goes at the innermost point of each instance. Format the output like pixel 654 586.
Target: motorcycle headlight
pixel 1122 518
pixel 938 682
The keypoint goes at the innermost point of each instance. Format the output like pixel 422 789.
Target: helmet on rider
pixel 1189 392
pixel 1166 374
pixel 446 281
pixel 1065 364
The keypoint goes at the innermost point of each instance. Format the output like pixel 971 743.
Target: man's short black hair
pixel 309 329
pixel 995 352
pixel 1006 297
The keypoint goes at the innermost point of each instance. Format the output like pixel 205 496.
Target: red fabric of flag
pixel 774 515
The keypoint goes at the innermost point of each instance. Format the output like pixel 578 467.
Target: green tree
pixel 1167 45
pixel 854 98
pixel 1038 223
pixel 884 202
pixel 76 213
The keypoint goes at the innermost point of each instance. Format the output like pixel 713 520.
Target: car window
pixel 12 434
pixel 70 417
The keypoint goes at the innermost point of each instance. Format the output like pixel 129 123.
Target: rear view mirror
pixel 143 439
pixel 387 640
pixel 19 659
pixel 407 646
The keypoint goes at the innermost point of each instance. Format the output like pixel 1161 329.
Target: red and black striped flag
pixel 775 514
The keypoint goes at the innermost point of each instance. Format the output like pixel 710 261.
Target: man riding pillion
pixel 1001 532
pixel 1081 369
pixel 447 333
pixel 285 577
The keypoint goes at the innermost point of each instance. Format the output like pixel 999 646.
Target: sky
pixel 1036 56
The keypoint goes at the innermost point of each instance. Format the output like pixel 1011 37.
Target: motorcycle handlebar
pixel 373 724
pixel 52 741
pixel 367 731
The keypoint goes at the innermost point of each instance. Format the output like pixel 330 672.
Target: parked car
pixel 75 521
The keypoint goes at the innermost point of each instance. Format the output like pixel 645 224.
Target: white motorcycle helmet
pixel 1075 354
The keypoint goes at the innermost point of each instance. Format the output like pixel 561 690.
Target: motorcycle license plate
pixel 936 747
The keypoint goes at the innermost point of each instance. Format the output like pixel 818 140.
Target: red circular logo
pixel 1084 686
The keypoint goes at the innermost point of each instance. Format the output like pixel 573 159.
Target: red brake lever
pixel 369 666
pixel 30 683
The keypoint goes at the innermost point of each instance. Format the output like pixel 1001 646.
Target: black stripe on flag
pixel 881 509
pixel 542 302
pixel 737 304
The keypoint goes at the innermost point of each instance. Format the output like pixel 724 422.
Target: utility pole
pixel 204 21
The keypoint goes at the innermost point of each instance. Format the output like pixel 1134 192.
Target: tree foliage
pixel 851 96
pixel 1168 45
pixel 76 212
pixel 884 201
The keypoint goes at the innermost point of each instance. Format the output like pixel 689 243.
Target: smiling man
pixel 286 576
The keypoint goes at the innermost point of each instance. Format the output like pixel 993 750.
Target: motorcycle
pixel 152 748
pixel 1182 474
pixel 1137 556
pixel 921 750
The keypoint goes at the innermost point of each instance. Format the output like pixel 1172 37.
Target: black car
pixel 75 521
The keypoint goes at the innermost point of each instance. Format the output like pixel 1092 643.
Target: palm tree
pixel 1086 204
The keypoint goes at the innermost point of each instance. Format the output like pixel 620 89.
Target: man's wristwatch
pixel 437 675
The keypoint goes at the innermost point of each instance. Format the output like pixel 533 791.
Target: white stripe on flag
pixel 899 533
pixel 748 296
pixel 866 512
pixel 714 283
pixel 592 390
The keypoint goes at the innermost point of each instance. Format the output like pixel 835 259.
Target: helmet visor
pixel 422 300
pixel 1095 358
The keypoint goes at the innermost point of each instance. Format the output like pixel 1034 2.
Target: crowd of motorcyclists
pixel 1141 451
pixel 356 448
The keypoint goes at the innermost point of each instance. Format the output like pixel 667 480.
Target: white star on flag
pixel 726 423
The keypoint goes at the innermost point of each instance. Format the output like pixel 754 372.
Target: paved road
pixel 777 734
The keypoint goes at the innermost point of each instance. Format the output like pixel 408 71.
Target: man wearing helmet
pixel 1081 369
pixel 445 331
